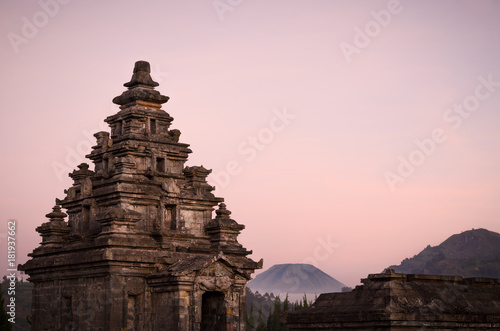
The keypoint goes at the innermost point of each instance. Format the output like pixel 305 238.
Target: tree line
pixel 271 312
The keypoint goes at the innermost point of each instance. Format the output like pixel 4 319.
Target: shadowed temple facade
pixel 140 249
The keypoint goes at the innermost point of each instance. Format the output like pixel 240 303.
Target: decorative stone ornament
pixel 56 230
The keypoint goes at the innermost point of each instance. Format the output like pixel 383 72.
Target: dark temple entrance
pixel 213 312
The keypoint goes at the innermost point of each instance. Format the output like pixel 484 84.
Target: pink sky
pixel 319 177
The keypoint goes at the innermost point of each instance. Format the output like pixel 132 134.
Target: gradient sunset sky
pixel 347 134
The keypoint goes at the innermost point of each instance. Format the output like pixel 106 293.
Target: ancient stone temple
pixel 394 301
pixel 140 249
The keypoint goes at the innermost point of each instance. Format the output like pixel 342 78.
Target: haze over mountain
pixel 295 278
pixel 473 253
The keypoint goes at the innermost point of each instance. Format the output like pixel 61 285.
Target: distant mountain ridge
pixel 294 278
pixel 473 253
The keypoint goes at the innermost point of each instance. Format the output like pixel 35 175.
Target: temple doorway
pixel 213 312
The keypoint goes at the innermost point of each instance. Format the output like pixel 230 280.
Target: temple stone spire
pixel 141 89
pixel 141 75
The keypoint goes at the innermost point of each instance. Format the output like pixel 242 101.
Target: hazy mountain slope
pixel 474 253
pixel 294 278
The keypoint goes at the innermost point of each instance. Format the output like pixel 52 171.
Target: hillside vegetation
pixel 473 253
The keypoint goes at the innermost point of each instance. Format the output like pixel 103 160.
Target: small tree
pixel 286 304
pixel 4 318
pixel 298 305
pixel 273 320
pixel 261 326
pixel 250 320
